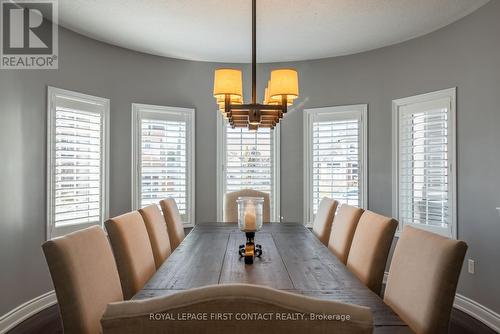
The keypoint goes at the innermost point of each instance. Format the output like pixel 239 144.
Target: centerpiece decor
pixel 281 91
pixel 250 221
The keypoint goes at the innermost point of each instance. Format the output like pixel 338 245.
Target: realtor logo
pixel 29 38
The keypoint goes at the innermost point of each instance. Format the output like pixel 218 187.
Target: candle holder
pixel 250 221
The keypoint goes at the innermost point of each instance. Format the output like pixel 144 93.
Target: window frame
pixel 221 172
pixel 137 109
pixel 53 231
pixel 361 112
pixel 450 94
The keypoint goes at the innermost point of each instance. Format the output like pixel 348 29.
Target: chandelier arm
pixel 227 104
pixel 284 103
pixel 256 106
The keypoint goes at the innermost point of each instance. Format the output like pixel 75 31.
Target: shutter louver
pixel 164 162
pixel 249 160
pixel 336 160
pixel 78 162
pixel 423 166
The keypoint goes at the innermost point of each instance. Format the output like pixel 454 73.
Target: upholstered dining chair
pixel 423 279
pixel 132 249
pixel 231 207
pixel 322 224
pixel 85 278
pixel 173 219
pixel 344 225
pixel 157 232
pixel 133 317
pixel 370 248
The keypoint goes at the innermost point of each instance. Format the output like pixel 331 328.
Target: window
pixel 248 159
pixel 163 157
pixel 424 175
pixel 335 156
pixel 77 161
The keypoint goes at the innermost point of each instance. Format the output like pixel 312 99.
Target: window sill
pixel 445 232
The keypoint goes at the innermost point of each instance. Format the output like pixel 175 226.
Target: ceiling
pixel 287 30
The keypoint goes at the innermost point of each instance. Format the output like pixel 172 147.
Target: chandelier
pixel 281 91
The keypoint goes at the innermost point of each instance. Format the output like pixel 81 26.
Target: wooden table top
pixel 293 259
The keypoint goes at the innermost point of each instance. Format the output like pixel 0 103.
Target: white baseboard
pixel 478 311
pixel 474 309
pixel 26 310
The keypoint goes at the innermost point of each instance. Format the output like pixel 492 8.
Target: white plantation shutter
pixel 334 156
pixel 163 163
pixel 250 162
pixel 425 154
pixel 336 161
pixel 76 161
pixel 164 157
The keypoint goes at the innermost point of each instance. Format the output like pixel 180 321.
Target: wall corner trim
pixel 479 312
pixel 24 311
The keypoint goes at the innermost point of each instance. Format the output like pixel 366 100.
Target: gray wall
pixel 465 54
pixel 99 69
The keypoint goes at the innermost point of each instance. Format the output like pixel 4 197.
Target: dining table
pixel 292 259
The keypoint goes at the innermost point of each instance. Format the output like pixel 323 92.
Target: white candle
pixel 250 217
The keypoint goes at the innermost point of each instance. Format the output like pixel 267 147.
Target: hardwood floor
pixel 49 322
pixel 462 323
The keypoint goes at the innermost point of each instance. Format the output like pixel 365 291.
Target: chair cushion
pixel 173 220
pixel 343 228
pixel 370 248
pixel 323 220
pixel 132 249
pixel 85 278
pixel 231 299
pixel 423 279
pixel 157 232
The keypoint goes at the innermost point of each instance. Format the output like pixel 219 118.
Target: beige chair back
pixel 134 256
pixel 231 207
pixel 323 220
pixel 133 317
pixel 173 220
pixel 423 279
pixel 157 232
pixel 370 248
pixel 85 278
pixel 343 228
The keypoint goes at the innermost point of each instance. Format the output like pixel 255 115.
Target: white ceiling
pixel 287 30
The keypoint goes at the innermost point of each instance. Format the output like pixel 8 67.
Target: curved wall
pixel 99 69
pixel 465 54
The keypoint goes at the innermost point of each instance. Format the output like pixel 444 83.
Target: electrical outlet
pixel 472 266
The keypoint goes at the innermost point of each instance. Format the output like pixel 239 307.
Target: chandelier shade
pixel 234 99
pixel 276 101
pixel 284 82
pixel 228 81
pixel 267 100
